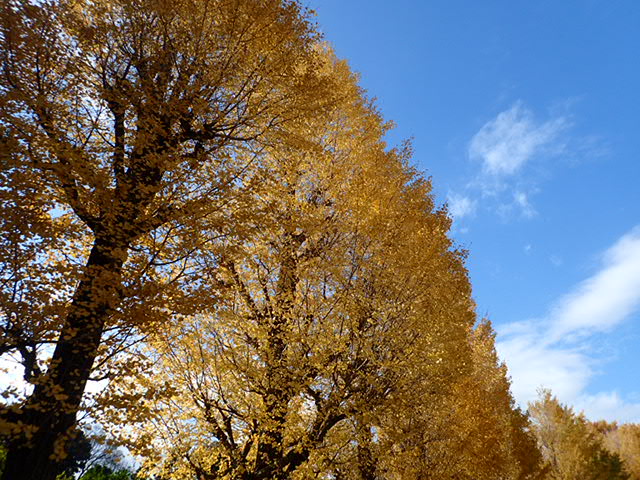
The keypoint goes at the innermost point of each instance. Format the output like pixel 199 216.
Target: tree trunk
pixel 50 411
pixel 366 461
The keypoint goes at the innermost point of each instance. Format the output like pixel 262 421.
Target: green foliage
pixel 101 472
pixel 3 457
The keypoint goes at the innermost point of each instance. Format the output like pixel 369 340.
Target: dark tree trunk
pixel 366 459
pixel 50 411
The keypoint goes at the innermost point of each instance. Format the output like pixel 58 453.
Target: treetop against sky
pixel 204 213
pixel 525 114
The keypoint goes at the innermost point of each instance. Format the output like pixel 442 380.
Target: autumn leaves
pixel 216 227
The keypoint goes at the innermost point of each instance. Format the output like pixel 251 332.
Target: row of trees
pixel 134 134
pixel 575 448
pixel 572 448
pixel 199 211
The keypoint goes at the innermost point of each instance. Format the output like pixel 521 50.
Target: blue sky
pixel 527 116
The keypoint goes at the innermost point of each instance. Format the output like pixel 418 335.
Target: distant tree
pixel 104 452
pixel 573 448
pixel 623 440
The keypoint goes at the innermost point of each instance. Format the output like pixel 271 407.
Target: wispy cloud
pixel 506 143
pixel 522 201
pixel 609 406
pixel 559 351
pixel 503 148
pixel 460 205
pixel 519 204
pixel 556 260
pixel 533 362
pixel 608 297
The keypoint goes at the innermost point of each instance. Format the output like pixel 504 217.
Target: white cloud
pixel 534 363
pixel 519 205
pixel 557 351
pixel 461 205
pixel 11 377
pixel 522 201
pixel 506 143
pixel 608 406
pixel 608 297
pixel 556 260
pixel 502 148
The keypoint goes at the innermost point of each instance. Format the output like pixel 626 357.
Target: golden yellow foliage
pixel 324 312
pixel 465 425
pixel 571 446
pixel 138 124
pixel 198 206
pixel 623 440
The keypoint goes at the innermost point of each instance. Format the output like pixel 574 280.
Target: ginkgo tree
pixel 342 341
pixel 128 128
pixel 198 207
pixel 573 448
pixel 323 312
pixel 463 425
pixel 623 440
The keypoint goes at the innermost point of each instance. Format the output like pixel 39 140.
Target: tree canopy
pixel 199 211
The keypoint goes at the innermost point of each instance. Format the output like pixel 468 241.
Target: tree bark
pixel 50 411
